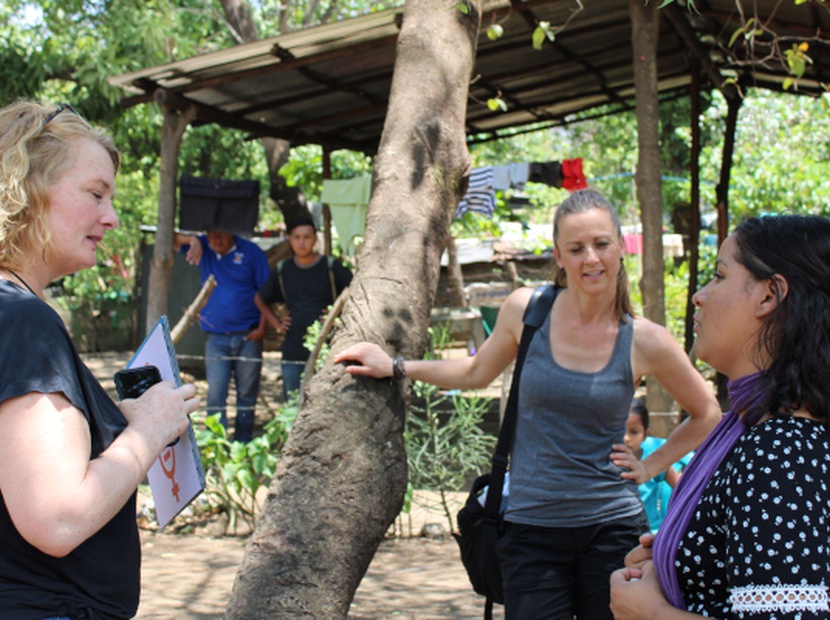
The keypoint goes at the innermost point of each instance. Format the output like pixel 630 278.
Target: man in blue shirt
pixel 234 325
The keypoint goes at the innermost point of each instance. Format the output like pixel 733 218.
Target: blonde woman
pixel 70 458
pixel 574 504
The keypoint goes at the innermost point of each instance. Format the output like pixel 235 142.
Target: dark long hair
pixel 796 336
pixel 638 407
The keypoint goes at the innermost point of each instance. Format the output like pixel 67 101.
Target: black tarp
pixel 218 204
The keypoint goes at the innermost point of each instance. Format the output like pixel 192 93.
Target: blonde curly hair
pixel 35 145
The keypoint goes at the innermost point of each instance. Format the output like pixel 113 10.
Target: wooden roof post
pixel 455 274
pixel 645 29
pixel 694 206
pixel 733 107
pixel 326 209
pixel 177 116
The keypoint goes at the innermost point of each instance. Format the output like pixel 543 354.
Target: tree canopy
pixel 65 49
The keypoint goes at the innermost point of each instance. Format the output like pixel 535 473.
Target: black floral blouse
pixel 758 545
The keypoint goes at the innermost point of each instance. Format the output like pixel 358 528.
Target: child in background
pixel 655 493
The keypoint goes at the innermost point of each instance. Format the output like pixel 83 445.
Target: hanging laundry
pixel 501 177
pixel 519 174
pixel 633 243
pixel 348 201
pixel 511 176
pixel 480 196
pixel 548 173
pixel 573 178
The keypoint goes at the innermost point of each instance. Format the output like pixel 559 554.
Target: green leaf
pixel 495 31
pixel 239 451
pixel 541 33
pixel 263 464
pixel 797 67
pixel 538 38
pixel 787 83
pixel 214 425
pixel 736 35
pixel 247 480
pixel 497 103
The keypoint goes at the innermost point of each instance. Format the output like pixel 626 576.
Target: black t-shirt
pixel 99 580
pixel 307 293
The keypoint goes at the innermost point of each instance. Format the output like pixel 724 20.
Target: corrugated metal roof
pixel 330 84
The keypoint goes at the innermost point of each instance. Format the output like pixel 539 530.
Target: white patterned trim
pixel 779 598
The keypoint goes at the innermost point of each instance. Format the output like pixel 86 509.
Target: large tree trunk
pixel 645 21
pixel 342 476
pixel 290 200
pixel 240 20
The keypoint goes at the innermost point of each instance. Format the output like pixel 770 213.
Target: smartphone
pixel 133 382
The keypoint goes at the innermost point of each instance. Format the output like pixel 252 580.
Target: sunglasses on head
pixel 58 110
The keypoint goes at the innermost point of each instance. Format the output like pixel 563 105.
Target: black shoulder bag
pixel 479 527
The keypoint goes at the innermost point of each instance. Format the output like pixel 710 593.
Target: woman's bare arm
pixel 657 353
pixel 56 496
pixel 474 372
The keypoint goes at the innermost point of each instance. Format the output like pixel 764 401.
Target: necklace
pixel 22 281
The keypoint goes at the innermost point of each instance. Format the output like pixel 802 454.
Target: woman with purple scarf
pixel 748 529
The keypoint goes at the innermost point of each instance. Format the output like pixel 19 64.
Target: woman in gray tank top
pixel 574 509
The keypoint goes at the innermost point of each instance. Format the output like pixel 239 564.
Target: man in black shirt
pixel 307 283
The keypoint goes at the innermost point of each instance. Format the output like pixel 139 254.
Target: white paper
pixel 177 476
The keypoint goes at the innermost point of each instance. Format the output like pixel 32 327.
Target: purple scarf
pixel 744 396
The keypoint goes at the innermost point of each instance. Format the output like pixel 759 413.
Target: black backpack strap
pixel 539 305
pixel 278 269
pixel 537 310
pixel 330 262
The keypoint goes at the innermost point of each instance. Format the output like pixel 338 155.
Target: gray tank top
pixel 560 472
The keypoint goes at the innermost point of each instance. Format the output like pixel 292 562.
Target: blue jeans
pixel 563 572
pixel 229 355
pixel 292 376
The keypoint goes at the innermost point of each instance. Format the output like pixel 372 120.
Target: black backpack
pixel 479 527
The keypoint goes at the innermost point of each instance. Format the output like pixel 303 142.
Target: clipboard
pixel 177 476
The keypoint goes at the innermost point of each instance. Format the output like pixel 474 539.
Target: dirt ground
pixel 412 577
pixel 189 577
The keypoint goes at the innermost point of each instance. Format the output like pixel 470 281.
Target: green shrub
pixel 236 471
pixel 445 445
